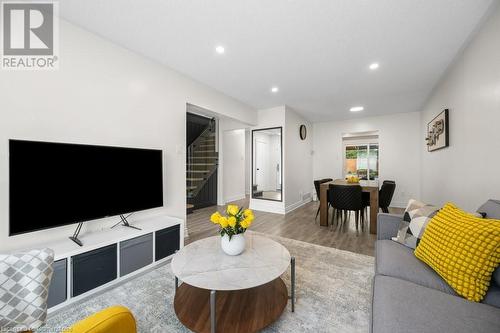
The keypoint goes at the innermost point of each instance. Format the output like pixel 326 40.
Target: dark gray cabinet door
pixel 58 284
pixel 136 253
pixel 167 241
pixel 93 269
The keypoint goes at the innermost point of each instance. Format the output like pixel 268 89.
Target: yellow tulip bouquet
pixel 237 220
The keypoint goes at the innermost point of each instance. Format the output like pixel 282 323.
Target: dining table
pixel 369 186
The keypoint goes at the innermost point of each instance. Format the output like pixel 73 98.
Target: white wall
pixel 248 161
pixel 467 172
pixel 399 160
pixel 273 117
pixel 227 124
pixel 103 94
pixel 234 164
pixel 298 161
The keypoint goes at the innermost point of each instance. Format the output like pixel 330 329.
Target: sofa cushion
pixel 496 276
pixel 493 296
pixel 396 260
pixel 491 208
pixel 402 306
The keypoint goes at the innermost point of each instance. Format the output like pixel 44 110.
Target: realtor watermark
pixel 30 35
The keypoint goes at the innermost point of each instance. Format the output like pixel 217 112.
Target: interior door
pixel 260 164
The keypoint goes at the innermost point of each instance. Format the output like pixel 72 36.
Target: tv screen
pixel 54 184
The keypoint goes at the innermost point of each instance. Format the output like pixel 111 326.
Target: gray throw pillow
pixel 416 217
pixel 24 288
pixel 496 276
pixel 490 209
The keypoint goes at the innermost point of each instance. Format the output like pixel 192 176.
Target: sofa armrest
pixel 113 319
pixel 388 225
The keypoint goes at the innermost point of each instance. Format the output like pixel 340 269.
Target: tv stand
pixel 134 252
pixel 74 238
pixel 124 222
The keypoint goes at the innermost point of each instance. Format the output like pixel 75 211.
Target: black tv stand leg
pixel 131 226
pixel 124 221
pixel 74 238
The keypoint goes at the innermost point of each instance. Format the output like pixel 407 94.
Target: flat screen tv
pixel 55 184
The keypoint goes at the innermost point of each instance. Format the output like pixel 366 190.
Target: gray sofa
pixel 408 296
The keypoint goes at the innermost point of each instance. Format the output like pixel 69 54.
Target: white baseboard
pixel 399 204
pixel 269 206
pixel 296 205
pixel 234 198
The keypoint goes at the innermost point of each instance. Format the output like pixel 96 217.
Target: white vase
pixel 234 246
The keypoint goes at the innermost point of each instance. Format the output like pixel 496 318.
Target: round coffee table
pixel 225 293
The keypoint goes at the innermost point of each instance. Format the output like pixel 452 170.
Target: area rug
pixel 333 295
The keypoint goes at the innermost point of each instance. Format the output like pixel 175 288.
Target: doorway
pixel 267 164
pixel 201 161
pixel 361 157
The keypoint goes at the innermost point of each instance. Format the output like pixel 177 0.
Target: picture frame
pixel 438 132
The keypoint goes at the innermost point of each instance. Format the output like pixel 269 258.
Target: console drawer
pixel 93 269
pixel 136 253
pixel 58 285
pixel 167 242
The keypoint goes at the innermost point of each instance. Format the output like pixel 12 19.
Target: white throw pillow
pixel 416 217
pixel 24 288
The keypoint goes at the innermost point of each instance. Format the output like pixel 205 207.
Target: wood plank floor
pixel 298 224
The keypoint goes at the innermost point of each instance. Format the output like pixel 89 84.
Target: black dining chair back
pixel 344 198
pixel 317 184
pixel 385 195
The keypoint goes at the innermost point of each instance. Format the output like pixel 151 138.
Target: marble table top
pixel 203 264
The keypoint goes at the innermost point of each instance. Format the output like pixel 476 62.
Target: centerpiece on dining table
pixel 232 227
pixel 352 179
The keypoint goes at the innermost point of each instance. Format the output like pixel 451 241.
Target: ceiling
pixel 316 51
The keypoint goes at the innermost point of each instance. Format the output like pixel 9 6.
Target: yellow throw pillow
pixel 463 249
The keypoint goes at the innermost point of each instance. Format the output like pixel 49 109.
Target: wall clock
pixel 303 132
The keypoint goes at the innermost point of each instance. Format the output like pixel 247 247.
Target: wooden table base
pixel 240 311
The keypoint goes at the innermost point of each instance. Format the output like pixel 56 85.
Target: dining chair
pixel 317 184
pixel 346 198
pixel 385 195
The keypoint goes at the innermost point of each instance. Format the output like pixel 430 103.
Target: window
pixel 361 156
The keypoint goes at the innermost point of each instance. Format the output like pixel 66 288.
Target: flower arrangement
pixel 352 179
pixel 236 222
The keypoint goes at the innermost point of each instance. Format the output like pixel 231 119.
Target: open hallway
pixel 298 224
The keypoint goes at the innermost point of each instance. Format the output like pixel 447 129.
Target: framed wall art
pixel 438 132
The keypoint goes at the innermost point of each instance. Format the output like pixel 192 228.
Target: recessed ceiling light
pixel 357 109
pixel 374 66
pixel 220 49
pixel 275 89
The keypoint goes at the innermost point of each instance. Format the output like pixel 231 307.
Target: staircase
pixel 201 168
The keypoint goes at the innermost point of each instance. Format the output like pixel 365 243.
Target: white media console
pixel 110 256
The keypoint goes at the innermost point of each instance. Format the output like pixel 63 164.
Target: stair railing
pixel 190 149
pixel 210 128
